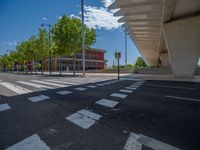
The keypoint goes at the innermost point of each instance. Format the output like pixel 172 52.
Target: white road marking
pixel 15 88
pixel 132 143
pixel 136 141
pixel 38 98
pixel 100 84
pixel 49 83
pixel 136 85
pixel 80 89
pixel 35 85
pixel 91 86
pixel 107 103
pixel 31 143
pixel 174 87
pixel 118 95
pixel 62 82
pixel 184 98
pixel 90 114
pixel 130 79
pixel 64 92
pixel 4 107
pixel 155 144
pixel 84 118
pixel 126 91
pixel 131 88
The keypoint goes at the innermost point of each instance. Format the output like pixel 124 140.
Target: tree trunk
pixel 24 68
pixel 74 63
pixel 60 66
pixel 42 67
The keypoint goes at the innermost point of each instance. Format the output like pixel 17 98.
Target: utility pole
pixel 83 37
pixel 125 47
pixel 50 49
pixel 118 56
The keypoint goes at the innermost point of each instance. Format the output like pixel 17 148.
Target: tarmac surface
pixel 134 114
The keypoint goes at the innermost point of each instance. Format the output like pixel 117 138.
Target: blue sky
pixel 21 18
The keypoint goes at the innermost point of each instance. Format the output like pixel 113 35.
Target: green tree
pixel 42 46
pixel 67 37
pixel 140 63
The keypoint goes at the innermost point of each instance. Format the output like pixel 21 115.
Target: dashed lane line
pixel 183 98
pixel 131 88
pixel 107 103
pixel 38 98
pixel 64 92
pixel 4 107
pixel 84 118
pixel 80 89
pixel 119 95
pixel 126 91
pixel 173 87
pixel 31 143
pixel 91 86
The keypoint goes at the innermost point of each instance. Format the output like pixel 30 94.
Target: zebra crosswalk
pixel 26 86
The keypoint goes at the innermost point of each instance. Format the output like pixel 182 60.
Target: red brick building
pixel 94 60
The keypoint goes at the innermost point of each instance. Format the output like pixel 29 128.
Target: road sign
pixel 117 55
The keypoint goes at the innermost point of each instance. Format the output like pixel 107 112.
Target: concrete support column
pixel 183 42
pixel 164 57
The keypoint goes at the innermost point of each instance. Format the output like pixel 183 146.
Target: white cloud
pixel 107 2
pixel 73 15
pixel 44 19
pixel 101 17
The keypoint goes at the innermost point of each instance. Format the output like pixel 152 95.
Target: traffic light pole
pixel 118 67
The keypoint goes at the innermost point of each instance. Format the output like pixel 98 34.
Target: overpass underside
pixel 166 32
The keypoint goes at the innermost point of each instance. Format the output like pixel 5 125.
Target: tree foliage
pixel 67 39
pixel 140 63
pixel 67 36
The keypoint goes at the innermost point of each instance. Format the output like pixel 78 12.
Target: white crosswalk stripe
pixel 15 88
pixel 35 85
pixel 62 82
pixel 49 83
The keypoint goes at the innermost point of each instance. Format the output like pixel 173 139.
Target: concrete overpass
pixel 166 32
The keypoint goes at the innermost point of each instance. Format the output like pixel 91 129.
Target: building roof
pixel 96 49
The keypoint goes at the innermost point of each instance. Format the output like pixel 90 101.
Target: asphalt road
pixel 159 113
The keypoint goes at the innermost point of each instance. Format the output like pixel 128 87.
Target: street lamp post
pixel 50 57
pixel 125 48
pixel 83 37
